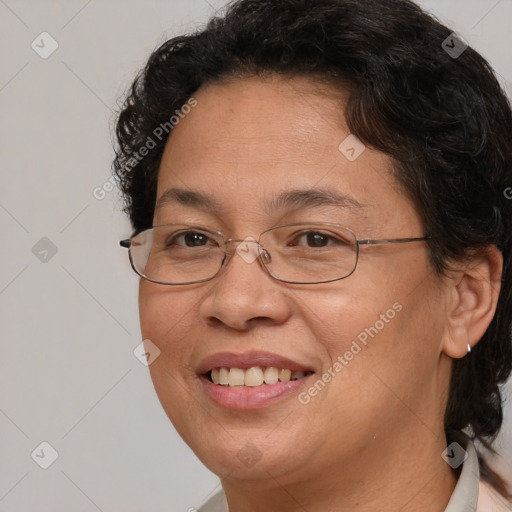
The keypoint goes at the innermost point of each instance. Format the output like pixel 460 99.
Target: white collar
pixel 465 495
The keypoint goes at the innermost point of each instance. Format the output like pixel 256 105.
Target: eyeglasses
pixel 296 253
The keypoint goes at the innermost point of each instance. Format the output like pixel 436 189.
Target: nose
pixel 244 293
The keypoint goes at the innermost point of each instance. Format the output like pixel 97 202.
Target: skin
pixel 372 439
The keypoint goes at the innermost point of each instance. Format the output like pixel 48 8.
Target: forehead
pixel 271 120
pixel 248 141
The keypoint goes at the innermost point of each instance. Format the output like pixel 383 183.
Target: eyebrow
pixel 294 199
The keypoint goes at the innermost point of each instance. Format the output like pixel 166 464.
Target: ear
pixel 473 289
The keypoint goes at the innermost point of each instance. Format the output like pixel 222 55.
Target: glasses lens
pixel 176 254
pixel 310 253
pixel 301 253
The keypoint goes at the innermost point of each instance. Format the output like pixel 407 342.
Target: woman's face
pixel 373 340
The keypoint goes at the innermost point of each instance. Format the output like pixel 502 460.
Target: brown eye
pixel 316 239
pixel 189 239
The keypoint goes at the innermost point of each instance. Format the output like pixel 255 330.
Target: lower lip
pixel 245 398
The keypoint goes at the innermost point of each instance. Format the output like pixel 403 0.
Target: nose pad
pixel 266 256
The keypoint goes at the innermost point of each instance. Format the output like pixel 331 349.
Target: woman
pixel 324 242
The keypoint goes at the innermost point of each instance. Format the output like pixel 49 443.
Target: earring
pixel 469 348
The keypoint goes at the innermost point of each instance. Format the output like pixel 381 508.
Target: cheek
pixel 154 312
pixel 166 318
pixel 350 317
pixel 166 313
pixel 382 344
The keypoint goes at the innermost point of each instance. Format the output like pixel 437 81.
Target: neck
pixel 407 474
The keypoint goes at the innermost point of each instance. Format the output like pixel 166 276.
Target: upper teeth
pixel 254 376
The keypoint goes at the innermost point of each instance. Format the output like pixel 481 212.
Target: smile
pixel 251 380
pixel 254 376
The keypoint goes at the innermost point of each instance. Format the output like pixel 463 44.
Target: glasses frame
pixel 127 243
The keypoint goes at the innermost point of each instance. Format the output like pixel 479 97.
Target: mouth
pixel 255 376
pixel 252 380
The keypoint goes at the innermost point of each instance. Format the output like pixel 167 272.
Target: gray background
pixel 69 320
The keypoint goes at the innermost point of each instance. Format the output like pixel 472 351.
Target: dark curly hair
pixel 443 119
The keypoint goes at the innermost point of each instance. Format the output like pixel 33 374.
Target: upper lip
pixel 248 360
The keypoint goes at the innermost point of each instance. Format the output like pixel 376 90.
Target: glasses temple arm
pixel 392 241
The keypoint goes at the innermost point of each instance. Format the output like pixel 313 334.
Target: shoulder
pixel 490 501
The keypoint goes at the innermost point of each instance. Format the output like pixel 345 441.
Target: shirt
pixel 470 493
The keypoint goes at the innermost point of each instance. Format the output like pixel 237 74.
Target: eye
pixel 315 239
pixel 189 239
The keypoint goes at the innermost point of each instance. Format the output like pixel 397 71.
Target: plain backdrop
pixel 68 298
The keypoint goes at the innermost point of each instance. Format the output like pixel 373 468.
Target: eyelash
pixel 294 237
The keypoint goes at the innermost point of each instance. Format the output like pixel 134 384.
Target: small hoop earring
pixel 469 348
